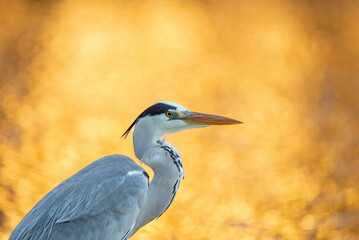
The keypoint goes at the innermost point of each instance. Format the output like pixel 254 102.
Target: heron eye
pixel 169 114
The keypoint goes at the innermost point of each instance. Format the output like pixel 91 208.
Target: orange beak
pixel 196 118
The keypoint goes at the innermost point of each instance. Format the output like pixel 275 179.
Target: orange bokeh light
pixel 74 75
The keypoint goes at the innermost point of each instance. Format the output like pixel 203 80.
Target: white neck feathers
pixel 145 137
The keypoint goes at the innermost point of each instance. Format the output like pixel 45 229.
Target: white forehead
pixel 178 107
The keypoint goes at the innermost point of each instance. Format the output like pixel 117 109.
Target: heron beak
pixel 196 118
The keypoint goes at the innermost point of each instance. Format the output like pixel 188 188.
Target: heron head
pixel 166 117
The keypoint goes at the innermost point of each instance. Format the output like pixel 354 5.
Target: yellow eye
pixel 169 114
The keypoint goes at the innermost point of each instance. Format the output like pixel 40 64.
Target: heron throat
pixel 145 138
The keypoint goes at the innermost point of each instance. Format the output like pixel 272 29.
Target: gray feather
pixel 91 204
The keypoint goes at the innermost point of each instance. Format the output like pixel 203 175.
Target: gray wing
pixel 102 201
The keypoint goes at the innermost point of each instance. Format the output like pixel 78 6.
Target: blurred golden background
pixel 75 74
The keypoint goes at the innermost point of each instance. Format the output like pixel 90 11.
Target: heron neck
pixel 144 139
pixel 166 164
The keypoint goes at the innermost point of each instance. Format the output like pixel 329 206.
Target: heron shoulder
pixel 114 183
pixel 105 181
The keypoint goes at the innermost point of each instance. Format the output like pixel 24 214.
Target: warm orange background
pixel 75 74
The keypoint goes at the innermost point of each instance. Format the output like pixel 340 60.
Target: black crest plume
pixel 155 109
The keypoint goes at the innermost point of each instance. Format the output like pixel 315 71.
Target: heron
pixel 112 197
